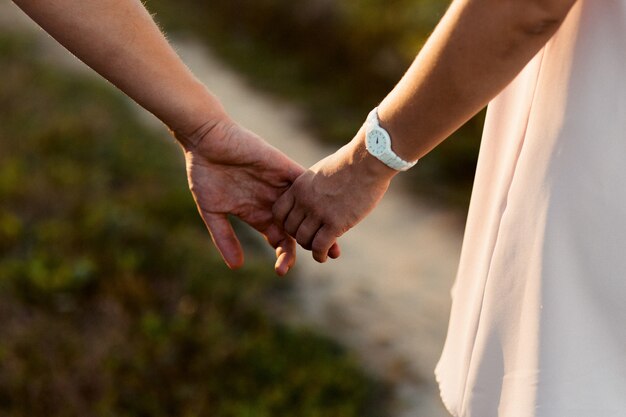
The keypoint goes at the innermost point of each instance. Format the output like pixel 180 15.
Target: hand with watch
pixel 339 191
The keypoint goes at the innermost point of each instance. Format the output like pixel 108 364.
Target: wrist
pixel 379 142
pixel 370 166
pixel 203 114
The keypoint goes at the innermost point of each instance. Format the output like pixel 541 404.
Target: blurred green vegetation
pixel 112 299
pixel 337 58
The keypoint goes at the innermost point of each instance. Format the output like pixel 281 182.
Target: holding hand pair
pixel 232 171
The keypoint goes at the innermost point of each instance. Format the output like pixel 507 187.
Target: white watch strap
pixel 399 164
pixel 390 158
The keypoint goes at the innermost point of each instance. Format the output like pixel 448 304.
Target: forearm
pixel 475 51
pixel 119 40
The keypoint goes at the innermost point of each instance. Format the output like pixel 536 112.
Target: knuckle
pixel 291 227
pixel 291 230
pixel 314 215
pixel 305 245
pixel 339 230
pixel 303 240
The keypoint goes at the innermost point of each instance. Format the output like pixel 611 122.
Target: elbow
pixel 542 17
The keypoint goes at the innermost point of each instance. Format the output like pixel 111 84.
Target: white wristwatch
pixel 378 144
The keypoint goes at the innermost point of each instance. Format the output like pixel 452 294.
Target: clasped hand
pixel 232 171
pixel 331 197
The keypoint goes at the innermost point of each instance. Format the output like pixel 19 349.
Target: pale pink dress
pixel 538 323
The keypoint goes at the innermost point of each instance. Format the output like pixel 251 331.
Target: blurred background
pixel 113 301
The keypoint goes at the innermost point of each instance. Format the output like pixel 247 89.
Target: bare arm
pixel 231 171
pixel 475 51
pixel 478 47
pixel 120 41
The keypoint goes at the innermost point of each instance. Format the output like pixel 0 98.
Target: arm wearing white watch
pixel 478 47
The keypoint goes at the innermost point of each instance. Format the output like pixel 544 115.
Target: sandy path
pixel 387 298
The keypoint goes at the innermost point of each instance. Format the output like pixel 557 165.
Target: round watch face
pixel 377 142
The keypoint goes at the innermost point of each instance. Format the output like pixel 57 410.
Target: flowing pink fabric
pixel 538 322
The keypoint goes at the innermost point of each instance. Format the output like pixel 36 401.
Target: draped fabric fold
pixel 538 322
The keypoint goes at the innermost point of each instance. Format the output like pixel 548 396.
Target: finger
pixel 335 251
pixel 324 240
pixel 224 238
pixel 282 207
pixel 285 256
pixel 293 221
pixel 285 247
pixel 307 230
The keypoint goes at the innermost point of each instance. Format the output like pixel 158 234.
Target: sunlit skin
pixel 319 214
pixel 230 170
pixel 233 171
pixel 478 47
